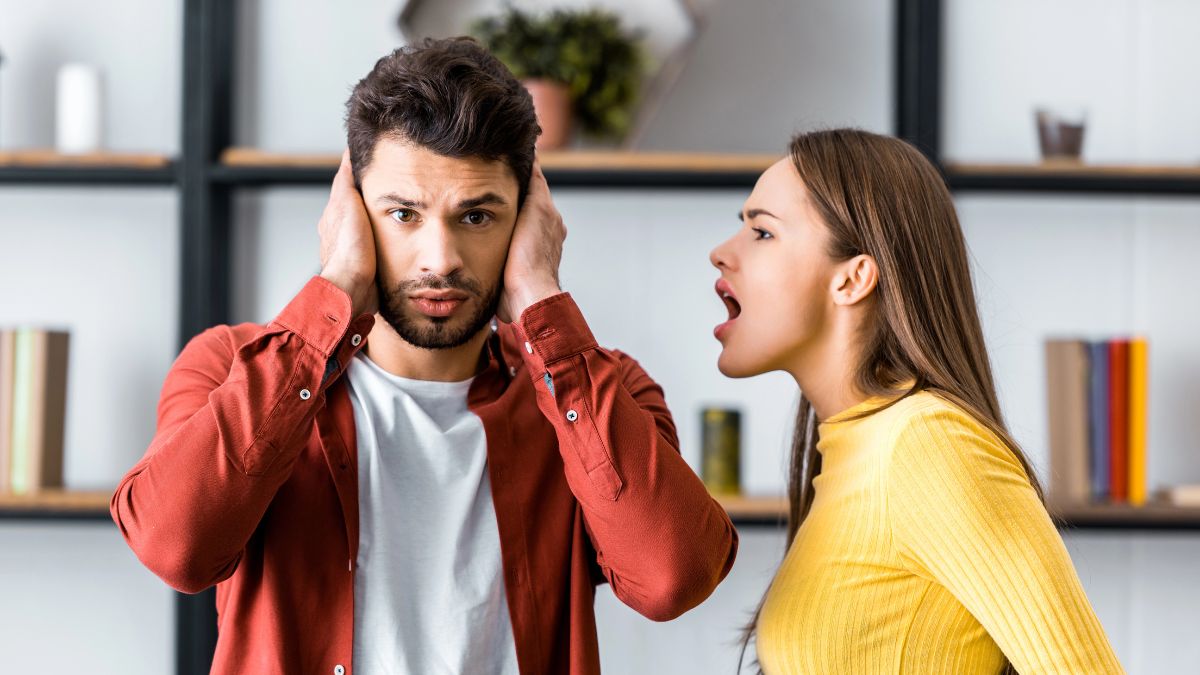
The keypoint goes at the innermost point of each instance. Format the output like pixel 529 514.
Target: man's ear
pixel 855 280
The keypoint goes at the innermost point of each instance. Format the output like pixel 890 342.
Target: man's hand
pixel 348 242
pixel 535 251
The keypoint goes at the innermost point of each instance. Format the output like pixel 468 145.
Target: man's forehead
pixel 417 167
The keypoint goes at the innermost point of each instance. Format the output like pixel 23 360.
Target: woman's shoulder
pixel 937 432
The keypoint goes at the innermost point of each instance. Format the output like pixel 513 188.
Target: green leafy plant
pixel 589 51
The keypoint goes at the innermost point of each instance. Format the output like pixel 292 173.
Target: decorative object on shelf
pixel 670 30
pixel 1180 495
pixel 1097 408
pixel 80 109
pixel 1060 136
pixel 720 455
pixel 33 400
pixel 580 65
pixel 552 103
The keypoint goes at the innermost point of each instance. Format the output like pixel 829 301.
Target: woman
pixel 917 537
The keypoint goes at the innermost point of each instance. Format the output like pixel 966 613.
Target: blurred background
pixel 181 185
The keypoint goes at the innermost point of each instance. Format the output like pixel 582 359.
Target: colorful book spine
pixel 1067 399
pixel 1098 417
pixel 50 406
pixel 39 397
pixel 22 410
pixel 7 363
pixel 1118 421
pixel 1139 380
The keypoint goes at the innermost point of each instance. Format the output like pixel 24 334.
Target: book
pixel 1067 404
pixel 1139 380
pixel 48 410
pixel 39 410
pixel 22 402
pixel 1098 419
pixel 1118 421
pixel 7 345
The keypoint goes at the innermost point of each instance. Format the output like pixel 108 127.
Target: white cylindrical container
pixel 80 109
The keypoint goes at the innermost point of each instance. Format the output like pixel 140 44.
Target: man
pixel 432 492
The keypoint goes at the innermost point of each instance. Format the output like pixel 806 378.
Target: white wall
pixel 104 261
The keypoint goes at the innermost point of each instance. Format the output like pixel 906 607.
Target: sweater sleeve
pixel 964 515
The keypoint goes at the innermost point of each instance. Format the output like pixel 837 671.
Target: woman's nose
pixel 719 257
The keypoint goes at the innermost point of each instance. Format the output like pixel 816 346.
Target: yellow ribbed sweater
pixel 926 551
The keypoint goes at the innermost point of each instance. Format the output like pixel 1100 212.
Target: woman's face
pixel 776 278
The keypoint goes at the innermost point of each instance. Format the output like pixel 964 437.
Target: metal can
pixel 720 457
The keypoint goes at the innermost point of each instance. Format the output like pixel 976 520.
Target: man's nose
pixel 439 251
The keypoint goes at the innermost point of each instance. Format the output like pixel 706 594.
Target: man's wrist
pixel 358 290
pixel 529 295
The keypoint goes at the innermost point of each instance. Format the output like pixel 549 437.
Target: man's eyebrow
pixel 486 198
pixel 393 198
pixel 754 213
pixel 473 202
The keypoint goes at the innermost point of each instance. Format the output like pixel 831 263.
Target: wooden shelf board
pixel 1063 168
pixel 42 159
pixel 1157 516
pixel 743 510
pixel 561 160
pixel 1124 516
pixel 1076 177
pixel 758 509
pixel 56 504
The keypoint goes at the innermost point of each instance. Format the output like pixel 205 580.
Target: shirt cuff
pixel 554 329
pixel 321 315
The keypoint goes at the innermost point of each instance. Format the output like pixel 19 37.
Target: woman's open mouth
pixel 725 292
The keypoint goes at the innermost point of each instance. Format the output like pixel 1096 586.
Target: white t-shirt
pixel 429 588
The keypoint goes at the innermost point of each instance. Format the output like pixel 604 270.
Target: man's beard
pixel 429 332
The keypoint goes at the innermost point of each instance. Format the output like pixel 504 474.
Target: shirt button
pixel 339 670
pixel 305 394
pixel 572 415
pixel 356 340
pixel 528 347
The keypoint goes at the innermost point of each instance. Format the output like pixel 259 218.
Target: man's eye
pixel 403 215
pixel 476 218
pixel 760 233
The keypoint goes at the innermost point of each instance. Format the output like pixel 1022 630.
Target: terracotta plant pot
pixel 552 104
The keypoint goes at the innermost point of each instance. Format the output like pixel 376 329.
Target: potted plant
pixel 580 66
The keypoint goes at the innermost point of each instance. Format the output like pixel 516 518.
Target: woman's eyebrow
pixel 754 213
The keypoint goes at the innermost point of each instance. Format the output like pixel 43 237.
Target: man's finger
pixel 345 174
pixel 537 182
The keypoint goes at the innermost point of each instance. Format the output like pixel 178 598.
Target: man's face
pixel 442 229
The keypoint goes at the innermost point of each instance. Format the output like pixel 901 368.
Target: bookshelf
pixel 209 170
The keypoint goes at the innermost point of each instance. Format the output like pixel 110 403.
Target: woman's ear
pixel 855 280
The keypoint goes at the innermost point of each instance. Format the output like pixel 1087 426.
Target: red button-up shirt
pixel 251 483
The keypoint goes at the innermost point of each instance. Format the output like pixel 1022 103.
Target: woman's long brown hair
pixel 880 197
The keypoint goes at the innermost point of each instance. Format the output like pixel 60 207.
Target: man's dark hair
pixel 450 96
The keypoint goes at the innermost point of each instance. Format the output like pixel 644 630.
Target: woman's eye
pixel 403 215
pixel 760 233
pixel 476 218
